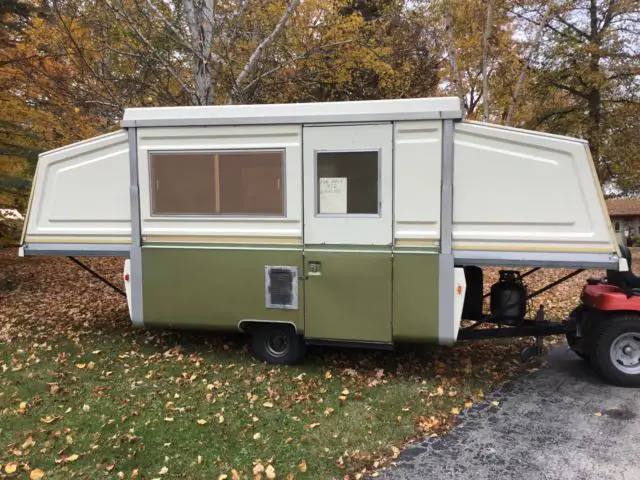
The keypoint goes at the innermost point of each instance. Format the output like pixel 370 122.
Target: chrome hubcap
pixel 278 344
pixel 625 353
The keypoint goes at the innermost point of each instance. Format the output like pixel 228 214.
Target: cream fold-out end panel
pixel 277 229
pixel 518 190
pixel 81 193
pixel 417 177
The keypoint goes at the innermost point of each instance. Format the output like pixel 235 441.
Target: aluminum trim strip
pixel 538 259
pixel 76 249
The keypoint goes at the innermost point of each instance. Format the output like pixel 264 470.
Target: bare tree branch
pixel 451 53
pixel 293 60
pixel 153 51
pixel 527 62
pixel 258 52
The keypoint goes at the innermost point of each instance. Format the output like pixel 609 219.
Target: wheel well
pixel 250 325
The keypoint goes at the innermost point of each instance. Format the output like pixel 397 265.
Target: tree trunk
pixel 451 53
pixel 485 61
pixel 594 100
pixel 200 18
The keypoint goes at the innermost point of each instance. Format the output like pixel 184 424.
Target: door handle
pixel 314 269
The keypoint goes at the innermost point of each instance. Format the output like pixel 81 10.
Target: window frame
pixel 219 151
pixel 316 196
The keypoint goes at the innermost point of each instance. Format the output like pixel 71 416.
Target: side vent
pixel 281 287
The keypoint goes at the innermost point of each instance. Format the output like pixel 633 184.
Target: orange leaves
pixel 36 474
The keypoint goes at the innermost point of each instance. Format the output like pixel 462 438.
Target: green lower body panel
pixel 350 299
pixel 415 297
pixel 213 288
pixel 359 296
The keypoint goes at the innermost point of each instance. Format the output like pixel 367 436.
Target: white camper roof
pixel 295 113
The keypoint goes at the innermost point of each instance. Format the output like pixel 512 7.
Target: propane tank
pixel 509 297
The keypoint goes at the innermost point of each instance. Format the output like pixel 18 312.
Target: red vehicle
pixel 605 327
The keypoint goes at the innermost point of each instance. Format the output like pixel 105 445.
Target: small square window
pixel 347 183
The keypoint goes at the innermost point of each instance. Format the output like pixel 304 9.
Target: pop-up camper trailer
pixel 357 223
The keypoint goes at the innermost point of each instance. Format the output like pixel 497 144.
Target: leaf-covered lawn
pixel 85 395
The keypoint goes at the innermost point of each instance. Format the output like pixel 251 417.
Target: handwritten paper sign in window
pixel 333 195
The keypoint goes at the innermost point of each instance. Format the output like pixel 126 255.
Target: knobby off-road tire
pixel 616 352
pixel 277 344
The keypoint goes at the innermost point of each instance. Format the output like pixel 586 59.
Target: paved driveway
pixel 545 427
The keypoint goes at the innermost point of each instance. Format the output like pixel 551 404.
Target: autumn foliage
pixel 69 68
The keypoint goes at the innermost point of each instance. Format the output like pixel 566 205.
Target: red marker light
pixel 126 277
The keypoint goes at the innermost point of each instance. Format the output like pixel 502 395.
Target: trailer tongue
pixel 353 223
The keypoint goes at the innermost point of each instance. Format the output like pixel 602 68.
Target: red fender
pixel 609 298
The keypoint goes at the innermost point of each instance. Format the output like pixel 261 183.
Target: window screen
pixel 347 183
pixel 217 183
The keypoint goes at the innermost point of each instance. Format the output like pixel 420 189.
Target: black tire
pixel 572 340
pixel 609 331
pixel 278 344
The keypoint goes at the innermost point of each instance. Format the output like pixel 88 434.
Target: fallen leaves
pixel 36 474
pixel 270 472
pixel 28 443
pixel 68 459
pixel 163 471
pixel 50 418
pixel 201 421
pixel 57 319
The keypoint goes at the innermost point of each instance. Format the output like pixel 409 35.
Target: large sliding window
pixel 217 183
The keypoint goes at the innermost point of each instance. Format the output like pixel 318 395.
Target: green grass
pixel 130 385
pixel 115 388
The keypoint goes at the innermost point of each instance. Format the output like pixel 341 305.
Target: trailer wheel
pixel 617 351
pixel 278 344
